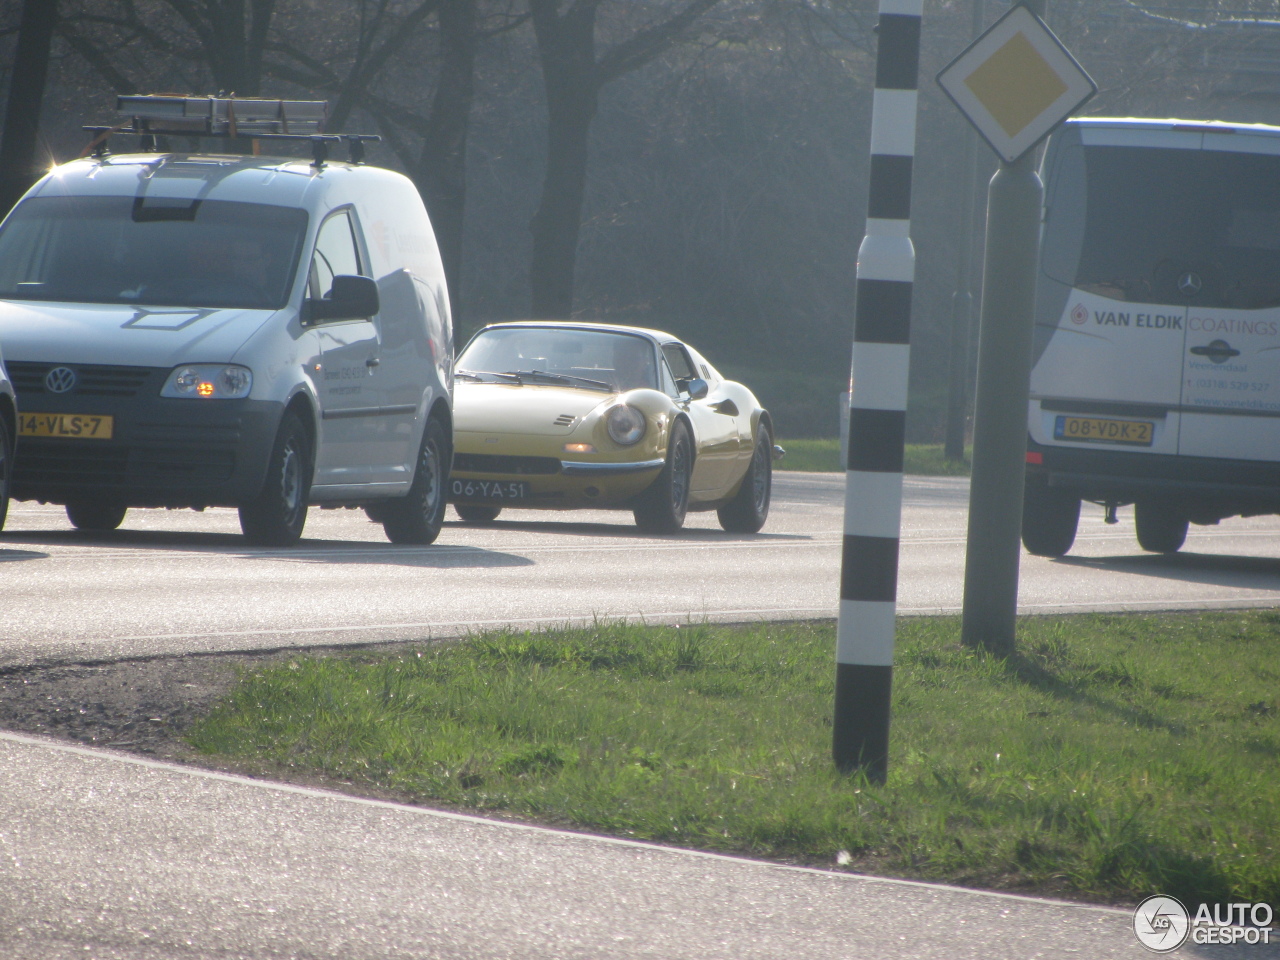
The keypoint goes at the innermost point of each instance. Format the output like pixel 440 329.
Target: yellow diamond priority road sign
pixel 1016 82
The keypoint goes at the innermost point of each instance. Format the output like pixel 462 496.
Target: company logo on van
pixel 1079 314
pixel 60 379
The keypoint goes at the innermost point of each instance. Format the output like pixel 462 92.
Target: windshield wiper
pixel 559 378
pixel 467 375
pixel 481 377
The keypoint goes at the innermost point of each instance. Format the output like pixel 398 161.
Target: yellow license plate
pixel 73 426
pixel 1138 433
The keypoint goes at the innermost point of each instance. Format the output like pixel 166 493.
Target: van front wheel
pixel 276 516
pixel 1160 530
pixel 1049 520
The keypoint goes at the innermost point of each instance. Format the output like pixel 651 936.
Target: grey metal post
pixel 1000 412
pixel 962 299
pixel 878 407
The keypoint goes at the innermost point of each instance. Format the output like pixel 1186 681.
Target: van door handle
pixel 372 362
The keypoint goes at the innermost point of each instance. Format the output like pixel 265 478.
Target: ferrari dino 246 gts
pixel 566 415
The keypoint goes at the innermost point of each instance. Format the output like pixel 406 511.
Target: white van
pixel 196 330
pixel 1156 377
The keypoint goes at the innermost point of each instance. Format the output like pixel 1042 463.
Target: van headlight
pixel 625 424
pixel 209 381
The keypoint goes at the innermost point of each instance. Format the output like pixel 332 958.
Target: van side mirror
pixel 352 298
pixel 697 388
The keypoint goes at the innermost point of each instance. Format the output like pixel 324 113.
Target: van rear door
pixel 1231 364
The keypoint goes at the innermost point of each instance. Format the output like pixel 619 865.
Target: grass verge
pixel 1114 757
pixel 823 454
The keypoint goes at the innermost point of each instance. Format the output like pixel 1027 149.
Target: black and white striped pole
pixel 878 408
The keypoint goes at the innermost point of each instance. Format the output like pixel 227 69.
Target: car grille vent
pixel 565 420
pixel 92 380
pixel 493 463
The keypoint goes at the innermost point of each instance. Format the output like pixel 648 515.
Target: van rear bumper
pixel 163 453
pixel 1201 485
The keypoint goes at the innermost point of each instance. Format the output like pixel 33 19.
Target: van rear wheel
pixel 476 515
pixel 96 515
pixel 1160 528
pixel 1049 519
pixel 418 516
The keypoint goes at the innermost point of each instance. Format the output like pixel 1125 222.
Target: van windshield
pixel 1167 226
pixel 173 253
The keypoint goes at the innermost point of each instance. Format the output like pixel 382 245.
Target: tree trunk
pixel 441 173
pixel 18 168
pixel 566 45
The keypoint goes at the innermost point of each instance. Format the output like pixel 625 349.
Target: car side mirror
pixel 697 388
pixel 352 298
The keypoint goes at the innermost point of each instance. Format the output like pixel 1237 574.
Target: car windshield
pixel 1131 223
pixel 617 361
pixel 135 250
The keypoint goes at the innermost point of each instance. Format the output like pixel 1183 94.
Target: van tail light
pixel 1036 457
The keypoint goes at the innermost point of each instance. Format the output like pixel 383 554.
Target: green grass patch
pixel 823 454
pixel 1114 757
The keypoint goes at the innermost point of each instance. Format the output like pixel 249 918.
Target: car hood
pixel 125 335
pixel 531 409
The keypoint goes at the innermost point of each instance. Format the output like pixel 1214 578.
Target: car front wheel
pixel 1160 530
pixel 749 508
pixel 662 507
pixel 275 517
pixel 417 516
pixel 476 514
pixel 1049 519
pixel 95 515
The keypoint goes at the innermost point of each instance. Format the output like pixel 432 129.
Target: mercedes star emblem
pixel 60 379
pixel 1189 284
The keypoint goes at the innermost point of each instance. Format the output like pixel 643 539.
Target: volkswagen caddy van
pixel 1156 363
pixel 200 329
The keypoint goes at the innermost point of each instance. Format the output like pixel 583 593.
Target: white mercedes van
pixel 196 330
pixel 1156 377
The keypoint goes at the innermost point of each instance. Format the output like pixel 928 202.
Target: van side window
pixel 336 255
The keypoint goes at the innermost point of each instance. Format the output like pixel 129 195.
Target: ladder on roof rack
pixel 149 116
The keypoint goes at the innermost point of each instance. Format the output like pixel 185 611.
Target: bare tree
pixel 572 77
pixel 26 94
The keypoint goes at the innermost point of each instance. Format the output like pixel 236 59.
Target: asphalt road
pixel 178 581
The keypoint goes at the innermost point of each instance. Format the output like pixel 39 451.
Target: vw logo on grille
pixel 1189 284
pixel 60 379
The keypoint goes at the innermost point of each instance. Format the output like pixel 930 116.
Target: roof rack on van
pixel 151 115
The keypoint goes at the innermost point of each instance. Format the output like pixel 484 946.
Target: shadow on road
pixel 1210 568
pixel 623 531
pixel 439 555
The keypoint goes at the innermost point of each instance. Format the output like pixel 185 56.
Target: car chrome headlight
pixel 625 424
pixel 209 381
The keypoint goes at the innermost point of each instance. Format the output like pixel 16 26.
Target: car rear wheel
pixel 275 517
pixel 749 508
pixel 662 507
pixel 476 514
pixel 6 469
pixel 1049 519
pixel 1160 529
pixel 96 515
pixel 418 516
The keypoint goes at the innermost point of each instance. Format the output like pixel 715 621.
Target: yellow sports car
pixel 563 415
